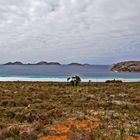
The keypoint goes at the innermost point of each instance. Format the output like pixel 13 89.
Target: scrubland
pixel 57 111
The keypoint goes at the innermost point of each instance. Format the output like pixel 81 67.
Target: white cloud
pixel 92 31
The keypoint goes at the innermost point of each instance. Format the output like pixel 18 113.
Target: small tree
pixel 74 80
pixel 68 80
pixel 77 80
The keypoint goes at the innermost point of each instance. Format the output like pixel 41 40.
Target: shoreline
pixel 28 79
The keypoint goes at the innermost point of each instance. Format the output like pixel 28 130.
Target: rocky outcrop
pixel 127 66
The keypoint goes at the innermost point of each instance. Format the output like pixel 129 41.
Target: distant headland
pixel 127 66
pixel 45 63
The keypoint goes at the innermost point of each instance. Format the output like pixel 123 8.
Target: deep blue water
pixel 96 72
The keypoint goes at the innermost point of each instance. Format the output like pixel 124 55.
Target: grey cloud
pixel 91 31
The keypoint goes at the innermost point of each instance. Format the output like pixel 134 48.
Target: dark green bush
pixel 10 114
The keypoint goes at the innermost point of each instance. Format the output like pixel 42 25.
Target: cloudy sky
pixel 85 31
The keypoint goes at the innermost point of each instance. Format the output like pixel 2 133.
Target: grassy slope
pixel 54 110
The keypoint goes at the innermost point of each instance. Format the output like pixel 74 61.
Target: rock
pixel 112 96
pixel 128 66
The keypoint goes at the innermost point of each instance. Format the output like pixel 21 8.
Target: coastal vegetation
pixel 51 110
pixel 114 81
pixel 74 80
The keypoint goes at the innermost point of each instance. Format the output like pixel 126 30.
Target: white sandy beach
pixel 59 79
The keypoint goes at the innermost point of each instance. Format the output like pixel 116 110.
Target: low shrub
pixel 10 114
pixel 114 81
pixel 20 118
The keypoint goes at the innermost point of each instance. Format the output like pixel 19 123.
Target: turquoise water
pixel 60 73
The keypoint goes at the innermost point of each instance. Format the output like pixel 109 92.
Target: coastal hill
pixel 45 63
pixel 127 66
pixel 78 64
pixel 39 63
pixel 75 64
pixel 14 63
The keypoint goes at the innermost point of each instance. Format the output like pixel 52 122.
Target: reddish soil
pixel 62 129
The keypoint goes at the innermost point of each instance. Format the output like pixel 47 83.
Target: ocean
pixel 95 73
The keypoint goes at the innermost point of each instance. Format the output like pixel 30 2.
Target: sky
pixel 84 31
